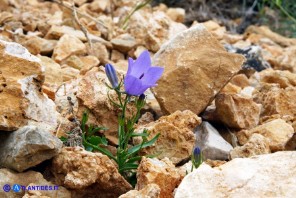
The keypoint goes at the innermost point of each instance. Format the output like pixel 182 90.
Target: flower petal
pixel 141 65
pixel 133 86
pixel 130 65
pixel 152 75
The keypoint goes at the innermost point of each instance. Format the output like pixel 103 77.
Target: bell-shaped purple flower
pixel 111 74
pixel 141 75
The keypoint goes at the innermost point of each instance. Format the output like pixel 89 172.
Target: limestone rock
pixel 163 173
pixel 241 80
pixel 211 143
pixel 236 111
pixel 75 62
pixel 176 14
pixel 124 42
pixel 176 140
pixel 56 32
pixel 264 31
pixel 283 78
pixel 89 63
pixel 276 100
pixel 28 179
pixel 277 132
pixel 287 60
pixel 69 73
pixel 100 5
pixel 116 56
pixel 88 174
pixel 21 97
pixel 193 74
pixel 53 77
pixel 257 145
pixel 27 147
pixel 150 191
pixel 271 175
pixel 65 93
pixel 68 45
pixel 37 45
pixel 150 29
pixel 100 51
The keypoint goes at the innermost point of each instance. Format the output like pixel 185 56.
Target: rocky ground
pixel 232 95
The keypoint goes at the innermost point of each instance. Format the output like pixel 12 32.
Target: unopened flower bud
pixel 142 97
pixel 111 74
pixel 196 157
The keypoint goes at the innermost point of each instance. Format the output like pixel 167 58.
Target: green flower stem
pixel 137 7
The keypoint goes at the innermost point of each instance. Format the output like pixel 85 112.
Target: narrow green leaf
pixel 104 141
pixel 134 159
pixel 139 134
pixel 136 148
pixel 128 166
pixel 88 148
pixel 95 140
pixel 63 139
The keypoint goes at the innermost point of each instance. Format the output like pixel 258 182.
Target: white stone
pixel 211 143
pixel 271 175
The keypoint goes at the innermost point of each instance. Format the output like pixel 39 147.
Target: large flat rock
pixel 196 67
pixel 270 175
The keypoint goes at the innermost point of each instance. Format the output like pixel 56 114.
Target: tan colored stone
pixel 89 63
pixel 146 118
pixel 150 191
pixel 270 175
pixel 230 89
pixel 193 74
pixel 257 145
pixel 287 60
pixel 88 174
pixel 283 78
pixel 65 92
pixel 176 139
pixel 68 45
pixel 116 56
pixel 264 31
pixel 211 25
pixel 275 100
pixel 163 173
pixel 75 62
pixel 124 42
pixel 37 45
pixel 22 101
pixel 69 73
pixel 176 14
pixel 240 80
pixel 100 5
pixel 236 111
pixel 26 179
pixel 101 52
pixel 277 132
pixel 150 29
pixel 53 77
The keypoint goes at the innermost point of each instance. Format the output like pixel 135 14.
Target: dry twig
pixel 83 29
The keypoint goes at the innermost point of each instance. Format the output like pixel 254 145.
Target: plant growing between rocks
pixel 196 158
pixel 140 76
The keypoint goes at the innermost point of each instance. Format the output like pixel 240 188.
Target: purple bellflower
pixel 111 74
pixel 141 75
